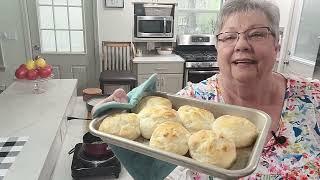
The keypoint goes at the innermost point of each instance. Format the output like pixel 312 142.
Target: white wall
pixel 115 24
pixel 284 6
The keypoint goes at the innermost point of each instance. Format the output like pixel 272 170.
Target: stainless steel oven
pixel 200 57
pixel 154 27
pixel 196 72
pixel 197 75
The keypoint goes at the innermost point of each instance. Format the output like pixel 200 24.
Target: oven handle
pixel 164 25
pixel 202 72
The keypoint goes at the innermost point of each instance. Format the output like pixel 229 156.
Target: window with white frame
pixel 61 26
pixel 197 16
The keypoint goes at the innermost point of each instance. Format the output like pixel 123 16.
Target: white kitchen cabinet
pixel 170 83
pixel 170 73
pixel 143 77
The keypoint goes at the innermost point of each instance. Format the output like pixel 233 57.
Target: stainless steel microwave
pixel 154 27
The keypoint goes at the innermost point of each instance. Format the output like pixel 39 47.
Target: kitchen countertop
pixel 41 117
pixel 172 58
pixel 75 130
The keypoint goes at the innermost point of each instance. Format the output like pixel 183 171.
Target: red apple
pixel 21 72
pixel 37 71
pixel 23 66
pixel 48 66
pixel 32 75
pixel 45 72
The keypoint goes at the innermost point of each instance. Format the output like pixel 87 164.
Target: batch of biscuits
pixel 188 131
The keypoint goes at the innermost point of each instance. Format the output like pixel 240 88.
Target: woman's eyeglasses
pixel 253 35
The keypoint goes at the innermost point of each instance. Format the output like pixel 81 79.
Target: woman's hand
pixel 119 95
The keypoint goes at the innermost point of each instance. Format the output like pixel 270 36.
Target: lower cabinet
pixel 170 83
pixel 170 73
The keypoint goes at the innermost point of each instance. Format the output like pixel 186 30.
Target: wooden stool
pixel 91 92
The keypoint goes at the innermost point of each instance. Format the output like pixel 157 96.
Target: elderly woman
pixel 247 45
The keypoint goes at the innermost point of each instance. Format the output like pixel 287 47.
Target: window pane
pixel 75 2
pixel 45 2
pixel 48 41
pixel 77 44
pixel 63 42
pixel 307 44
pixel 199 4
pixel 60 2
pixel 46 17
pixel 61 17
pixel 200 23
pixel 214 4
pixel 75 17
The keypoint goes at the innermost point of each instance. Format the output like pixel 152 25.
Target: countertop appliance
pixel 89 160
pixel 153 20
pixel 154 27
pixel 200 56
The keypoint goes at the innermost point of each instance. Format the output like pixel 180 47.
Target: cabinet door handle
pixel 158 84
pixel 162 82
pixel 161 69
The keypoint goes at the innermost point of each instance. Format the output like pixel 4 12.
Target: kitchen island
pixel 42 119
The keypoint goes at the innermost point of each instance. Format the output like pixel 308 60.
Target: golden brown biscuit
pixel 151 117
pixel 170 136
pixel 209 147
pixel 125 125
pixel 152 101
pixel 239 129
pixel 195 119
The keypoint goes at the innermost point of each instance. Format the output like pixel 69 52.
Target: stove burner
pixel 88 166
pixel 197 55
pixel 92 161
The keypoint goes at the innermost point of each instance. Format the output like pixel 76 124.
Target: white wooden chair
pixel 117 66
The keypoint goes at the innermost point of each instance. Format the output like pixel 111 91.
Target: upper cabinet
pixel 154 22
pixel 197 16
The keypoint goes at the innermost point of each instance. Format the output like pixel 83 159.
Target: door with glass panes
pixel 62 31
pixel 302 55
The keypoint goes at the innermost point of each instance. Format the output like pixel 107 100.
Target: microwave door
pixel 168 28
pixel 153 26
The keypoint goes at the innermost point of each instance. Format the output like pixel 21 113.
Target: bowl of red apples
pixel 36 71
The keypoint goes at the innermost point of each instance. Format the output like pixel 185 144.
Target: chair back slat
pixel 128 60
pixel 121 58
pixel 117 56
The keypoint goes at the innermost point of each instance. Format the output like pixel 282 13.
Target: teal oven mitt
pixel 139 166
pixel 134 96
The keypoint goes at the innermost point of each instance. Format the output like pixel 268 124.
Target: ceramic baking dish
pixel 247 158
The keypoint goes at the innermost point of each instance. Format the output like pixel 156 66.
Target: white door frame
pixel 287 52
pixel 26 29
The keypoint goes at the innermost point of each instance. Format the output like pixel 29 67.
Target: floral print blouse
pixel 299 156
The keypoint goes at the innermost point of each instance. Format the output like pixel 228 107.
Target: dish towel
pixel 139 166
pixel 9 150
pixel 134 96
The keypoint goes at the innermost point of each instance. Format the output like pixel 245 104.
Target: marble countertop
pixel 75 130
pixel 172 58
pixel 41 117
